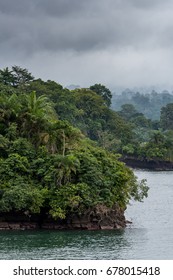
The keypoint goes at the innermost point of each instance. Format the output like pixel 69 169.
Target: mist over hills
pixel 148 101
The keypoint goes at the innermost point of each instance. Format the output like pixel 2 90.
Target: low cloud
pixel 94 40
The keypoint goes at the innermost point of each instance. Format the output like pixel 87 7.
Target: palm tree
pixel 10 107
pixel 157 138
pixel 66 167
pixel 22 77
pixel 40 107
pixel 6 76
pixel 34 120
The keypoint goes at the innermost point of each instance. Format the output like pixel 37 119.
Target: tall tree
pixel 36 113
pixel 166 117
pixel 128 111
pixel 104 92
pixel 39 106
pixel 6 76
pixel 22 77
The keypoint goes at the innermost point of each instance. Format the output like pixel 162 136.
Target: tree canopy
pixel 47 162
pixel 166 117
pixel 104 92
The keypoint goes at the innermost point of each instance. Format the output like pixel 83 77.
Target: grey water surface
pixel 150 236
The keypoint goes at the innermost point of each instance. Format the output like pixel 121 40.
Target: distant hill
pixel 149 103
pixel 71 87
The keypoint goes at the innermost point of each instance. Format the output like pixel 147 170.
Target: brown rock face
pixel 15 226
pixel 4 226
pixel 100 217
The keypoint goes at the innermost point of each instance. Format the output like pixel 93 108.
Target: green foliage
pixel 16 77
pixel 128 149
pixel 104 92
pixel 4 145
pixel 21 77
pixel 87 110
pixel 128 111
pixel 99 179
pixel 158 147
pixel 71 198
pixel 108 177
pixel 166 117
pixel 22 197
pixel 46 162
pixel 6 76
pixel 39 106
pixel 148 104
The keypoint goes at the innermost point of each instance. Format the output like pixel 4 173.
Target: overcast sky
pixel 114 42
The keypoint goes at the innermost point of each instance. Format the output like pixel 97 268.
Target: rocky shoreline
pixel 99 218
pixel 155 165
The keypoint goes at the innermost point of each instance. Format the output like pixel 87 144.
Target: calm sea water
pixel 149 237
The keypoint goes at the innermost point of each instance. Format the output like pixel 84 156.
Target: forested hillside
pixel 55 148
pixel 149 103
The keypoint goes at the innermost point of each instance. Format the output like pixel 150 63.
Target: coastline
pixel 99 218
pixel 155 165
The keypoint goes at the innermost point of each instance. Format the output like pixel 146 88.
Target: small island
pixel 61 154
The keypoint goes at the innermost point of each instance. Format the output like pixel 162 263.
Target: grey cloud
pixel 86 28
pixel 17 7
pixel 60 8
pixel 39 25
pixel 57 8
pixel 145 4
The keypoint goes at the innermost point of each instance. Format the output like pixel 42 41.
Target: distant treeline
pixel 149 104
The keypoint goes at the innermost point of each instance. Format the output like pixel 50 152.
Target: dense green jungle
pixel 60 149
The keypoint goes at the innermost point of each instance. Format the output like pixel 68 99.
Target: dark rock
pixel 157 165
pixel 29 226
pixel 106 227
pixel 14 226
pixel 99 217
pixel 48 226
pixel 4 225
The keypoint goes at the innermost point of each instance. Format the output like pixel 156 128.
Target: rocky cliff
pixel 156 165
pixel 98 218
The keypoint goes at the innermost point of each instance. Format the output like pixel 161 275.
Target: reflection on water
pixel 149 237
